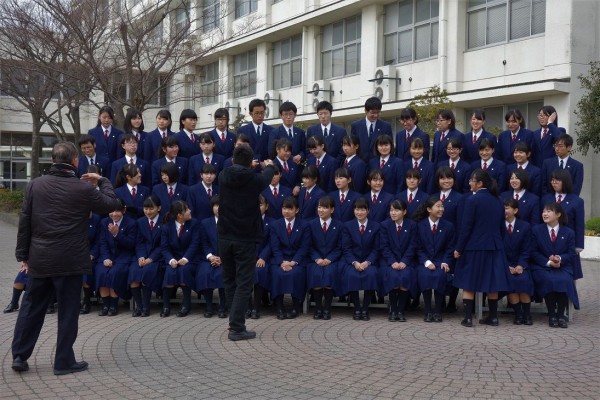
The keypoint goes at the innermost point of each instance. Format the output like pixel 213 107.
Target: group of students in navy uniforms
pixel 344 213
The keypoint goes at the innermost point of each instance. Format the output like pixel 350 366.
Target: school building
pixel 494 55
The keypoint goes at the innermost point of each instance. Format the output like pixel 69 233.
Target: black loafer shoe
pixel 281 315
pixel 437 317
pixel 77 367
pixel 318 314
pixel 291 314
pixel 428 317
pixel 103 312
pixel 528 320
pixel 165 312
pixel 326 315
pixel 208 314
pixel 145 313
pixel 136 313
pixel 553 322
pixel 85 308
pixel 50 309
pixel 468 322
pixel 392 317
pixel 10 308
pixel 248 313
pixel 562 323
pixel 518 321
pixel 489 321
pixel 255 314
pixel 112 312
pixel 243 335
pixel 20 365
pixel 183 312
pixel 400 317
pixel 356 316
pixel 364 316
pixel 222 314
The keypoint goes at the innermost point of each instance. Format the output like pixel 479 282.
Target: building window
pixel 209 86
pixel 160 97
pixel 181 22
pixel 245 7
pixel 287 62
pixel 497 21
pixel 244 74
pixel 340 54
pixel 211 12
pixel 411 31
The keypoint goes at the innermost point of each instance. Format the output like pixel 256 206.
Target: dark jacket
pixel 53 226
pixel 239 213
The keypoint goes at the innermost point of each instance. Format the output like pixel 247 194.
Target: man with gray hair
pixel 52 246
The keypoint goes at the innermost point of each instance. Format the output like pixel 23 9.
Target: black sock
pixel 187 297
pixel 493 308
pixel 402 300
pixel 562 301
pixel 136 293
pixel 106 301
pixel 208 296
pixel 296 304
pixel 550 299
pixel 328 295
pixel 439 299
pixel 453 295
pixel 355 300
pixel 427 300
pixel 518 310
pixel 393 296
pixel 526 307
pixel 146 296
pixel 16 295
pixel 114 302
pixel 87 294
pixel 222 300
pixel 279 303
pixel 318 296
pixel 469 305
pixel 166 295
pixel 367 296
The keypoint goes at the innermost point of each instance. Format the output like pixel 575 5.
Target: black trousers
pixel 239 262
pixel 33 311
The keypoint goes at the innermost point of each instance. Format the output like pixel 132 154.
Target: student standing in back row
pixel 446 124
pixel 224 139
pixel 332 134
pixel 405 137
pixel 186 138
pixel 370 128
pixel 106 135
pixel 257 130
pixel 295 135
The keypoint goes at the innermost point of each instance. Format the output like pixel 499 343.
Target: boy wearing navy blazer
pixel 106 135
pixel 446 124
pixel 562 148
pixel 405 137
pixel 129 143
pixel 370 128
pixel 332 134
pixel 257 131
pixel 295 135
pixel 186 138
pixel 87 145
pixel 154 139
pixel 224 139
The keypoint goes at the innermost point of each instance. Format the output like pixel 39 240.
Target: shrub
pixel 593 224
pixel 11 201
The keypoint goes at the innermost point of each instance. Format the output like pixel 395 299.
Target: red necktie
pixel 407 137
pixel 374 198
pixel 485 165
pixel 544 132
pixel 324 227
pixel 306 195
pixel 552 235
pixel 474 139
pixel 180 231
pixel 509 229
pixel 434 229
pixel 151 225
pixel 443 197
pixel 106 134
pixel 164 135
pixel 559 198
pixel 209 192
pixel 442 136
pixel 207 160
pixel 289 228
pixel 318 163
pixel 275 192
pixel 398 229
pixel 517 196
pixel 410 198
pixel 346 163
pixel 193 139
pixel 285 166
pixel 416 165
pixel 514 137
pixel 170 191
pixel 452 166
pixel 382 164
pixel 362 229
pixel 133 192
pixel 342 198
pixel 223 137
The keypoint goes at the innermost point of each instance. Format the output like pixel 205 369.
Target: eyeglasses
pixel 559 145
pixel 288 114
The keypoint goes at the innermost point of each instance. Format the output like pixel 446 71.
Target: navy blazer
pixel 259 144
pixel 403 145
pixel 308 207
pixel 263 250
pixel 470 150
pixel 367 143
pixel 344 212
pixel 94 229
pixel 462 174
pixel 143 165
pixel 188 245
pixel 379 210
pixel 333 141
pixel 99 160
pixel 107 148
pixel 187 149
pixel 135 206
pixel 161 190
pixel 182 166
pixel 148 241
pixel 438 151
pixel 298 141
pixel 437 248
pixel 209 238
pixel 427 170
pixel 506 147
pixel 398 248
pixel 120 248
pixel 574 167
pixel 326 171
pixel 572 205
pixel 290 178
pixel 482 223
pixel 535 177
pixel 496 169
pixel 542 247
pixel 153 144
pixel 418 200
pixel 293 247
pixel 357 247
pixel 517 245
pixel 325 245
pixel 196 163
pixel 275 204
pixel 225 148
pixel 452 205
pixel 529 206
pixel 199 202
pixel 544 148
pixel 393 175
pixel 358 171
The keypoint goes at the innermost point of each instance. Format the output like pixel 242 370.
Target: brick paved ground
pixel 146 358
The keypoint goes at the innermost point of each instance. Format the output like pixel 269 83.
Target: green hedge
pixel 593 224
pixel 11 201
